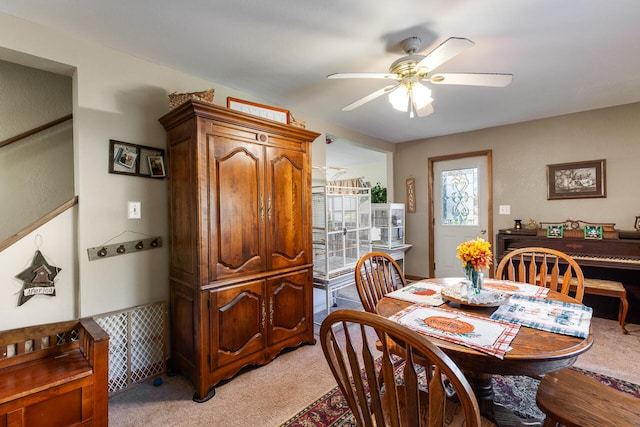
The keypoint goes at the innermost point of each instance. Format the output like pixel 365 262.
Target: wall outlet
pixel 134 210
pixel 505 209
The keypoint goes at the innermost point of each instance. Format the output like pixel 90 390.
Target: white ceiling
pixel 343 153
pixel 566 55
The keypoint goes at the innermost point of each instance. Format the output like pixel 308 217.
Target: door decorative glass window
pixel 460 197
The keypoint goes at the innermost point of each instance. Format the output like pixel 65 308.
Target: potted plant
pixel 378 194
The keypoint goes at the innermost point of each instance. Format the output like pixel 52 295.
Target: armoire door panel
pixel 289 305
pixel 238 208
pixel 286 194
pixel 238 322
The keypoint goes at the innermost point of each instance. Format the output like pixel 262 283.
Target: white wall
pixel 56 242
pixel 119 97
pixel 115 97
pixel 36 172
pixel 371 172
pixel 521 153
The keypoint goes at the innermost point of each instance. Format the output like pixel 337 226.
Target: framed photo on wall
pixel 133 159
pixel 576 180
pixel 156 166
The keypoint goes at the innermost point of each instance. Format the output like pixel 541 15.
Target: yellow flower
pixel 475 254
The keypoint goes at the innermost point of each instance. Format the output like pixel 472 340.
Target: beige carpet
pixel 613 353
pixel 270 395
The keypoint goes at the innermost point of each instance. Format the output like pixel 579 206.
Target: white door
pixel 461 195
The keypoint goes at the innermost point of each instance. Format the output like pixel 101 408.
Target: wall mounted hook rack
pixel 106 251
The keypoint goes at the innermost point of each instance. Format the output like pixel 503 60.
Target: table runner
pixel 547 315
pixel 516 288
pixel 422 292
pixel 482 334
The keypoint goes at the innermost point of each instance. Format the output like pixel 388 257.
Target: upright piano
pixel 616 257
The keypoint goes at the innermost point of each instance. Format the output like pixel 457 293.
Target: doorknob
pixel 483 231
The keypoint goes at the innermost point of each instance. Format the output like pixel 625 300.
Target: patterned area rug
pixel 517 394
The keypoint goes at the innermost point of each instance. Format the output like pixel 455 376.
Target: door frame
pixel 489 163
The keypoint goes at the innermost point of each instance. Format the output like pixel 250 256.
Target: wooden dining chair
pixel 572 399
pixel 377 274
pixel 410 395
pixel 543 267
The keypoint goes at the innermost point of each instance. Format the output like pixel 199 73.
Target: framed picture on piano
pixel 637 223
pixel 593 232
pixel 555 231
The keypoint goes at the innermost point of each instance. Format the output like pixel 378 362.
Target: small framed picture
pixel 126 158
pixel 264 111
pixel 637 223
pixel 555 231
pixel 156 166
pixel 593 232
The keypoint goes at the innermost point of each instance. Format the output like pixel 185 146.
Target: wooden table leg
pixel 483 388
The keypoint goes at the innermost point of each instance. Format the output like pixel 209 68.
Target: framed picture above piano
pixel 576 180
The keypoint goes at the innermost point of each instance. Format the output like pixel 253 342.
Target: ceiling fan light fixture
pixel 421 95
pixel 399 98
pixel 406 98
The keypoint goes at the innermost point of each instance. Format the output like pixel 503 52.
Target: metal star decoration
pixel 38 279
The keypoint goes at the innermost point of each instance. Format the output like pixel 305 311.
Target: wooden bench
pixel 54 375
pixel 570 398
pixel 609 288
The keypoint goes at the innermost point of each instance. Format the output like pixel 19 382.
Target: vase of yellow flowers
pixel 475 256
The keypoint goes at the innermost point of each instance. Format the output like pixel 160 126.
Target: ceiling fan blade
pixel 426 110
pixel 363 76
pixel 472 79
pixel 370 97
pixel 447 50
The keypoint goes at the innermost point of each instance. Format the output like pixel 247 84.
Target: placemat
pixel 510 287
pixel 482 334
pixel 547 315
pixel 422 292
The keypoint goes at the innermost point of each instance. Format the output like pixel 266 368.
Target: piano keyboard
pixel 606 259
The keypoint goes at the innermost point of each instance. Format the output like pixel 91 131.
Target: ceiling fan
pixel 408 93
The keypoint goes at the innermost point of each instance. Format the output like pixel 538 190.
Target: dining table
pixel 533 352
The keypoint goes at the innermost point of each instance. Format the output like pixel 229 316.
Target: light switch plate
pixel 134 210
pixel 505 209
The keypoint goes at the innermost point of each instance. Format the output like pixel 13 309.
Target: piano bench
pixel 610 288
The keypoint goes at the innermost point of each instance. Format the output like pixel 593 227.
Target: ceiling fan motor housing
pixel 406 66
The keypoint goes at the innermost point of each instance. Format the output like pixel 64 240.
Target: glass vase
pixel 475 277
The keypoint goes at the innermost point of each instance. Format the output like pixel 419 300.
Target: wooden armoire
pixel 241 264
